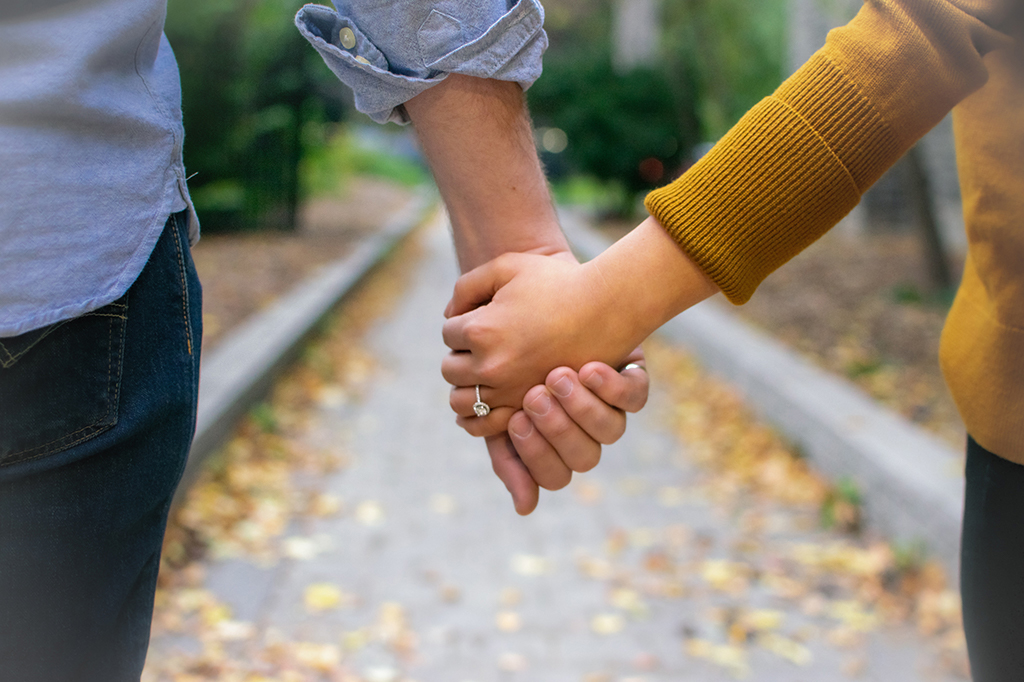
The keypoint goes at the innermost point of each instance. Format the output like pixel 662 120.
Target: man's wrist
pixel 477 138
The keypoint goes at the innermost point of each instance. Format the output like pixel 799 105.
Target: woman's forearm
pixel 649 280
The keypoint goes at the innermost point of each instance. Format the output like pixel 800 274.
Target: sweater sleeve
pixel 800 160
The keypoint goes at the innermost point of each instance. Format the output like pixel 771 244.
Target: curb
pixel 911 483
pixel 241 370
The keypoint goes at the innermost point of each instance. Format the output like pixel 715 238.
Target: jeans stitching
pixel 184 288
pixel 11 359
pixel 90 430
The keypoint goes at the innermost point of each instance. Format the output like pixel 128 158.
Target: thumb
pixel 478 286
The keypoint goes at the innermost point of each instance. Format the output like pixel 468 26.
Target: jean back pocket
pixel 59 385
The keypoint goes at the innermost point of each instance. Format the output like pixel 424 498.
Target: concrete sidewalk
pixel 633 574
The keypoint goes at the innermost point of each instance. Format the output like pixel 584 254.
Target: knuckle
pixel 558 481
pixel 490 373
pixel 506 260
pixel 474 332
pixel 450 369
pixel 588 460
pixel 611 430
pixel 613 435
pixel 638 399
pixel 557 427
pixel 478 428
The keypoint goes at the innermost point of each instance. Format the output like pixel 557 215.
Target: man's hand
pixel 562 427
pixel 477 138
pixel 517 305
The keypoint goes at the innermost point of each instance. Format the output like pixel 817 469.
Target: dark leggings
pixel 992 566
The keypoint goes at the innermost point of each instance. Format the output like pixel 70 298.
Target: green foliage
pixel 910 556
pixel 841 508
pixel 733 49
pixel 262 415
pixel 907 294
pixel 631 128
pixel 911 295
pixel 856 369
pixel 334 155
pixel 250 84
pixel 717 58
pixel 586 190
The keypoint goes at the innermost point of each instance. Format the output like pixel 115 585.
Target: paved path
pixel 606 582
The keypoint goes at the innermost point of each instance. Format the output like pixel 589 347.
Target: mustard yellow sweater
pixel 800 160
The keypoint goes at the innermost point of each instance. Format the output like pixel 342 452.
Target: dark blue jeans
pixel 992 566
pixel 96 418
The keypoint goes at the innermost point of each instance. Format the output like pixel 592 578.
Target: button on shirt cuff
pixel 408 54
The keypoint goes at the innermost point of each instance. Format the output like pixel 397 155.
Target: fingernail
pixel 540 405
pixel 562 387
pixel 593 381
pixel 523 430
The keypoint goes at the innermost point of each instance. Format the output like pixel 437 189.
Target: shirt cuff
pixel 401 62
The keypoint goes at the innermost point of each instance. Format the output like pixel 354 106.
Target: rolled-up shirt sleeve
pixel 389 52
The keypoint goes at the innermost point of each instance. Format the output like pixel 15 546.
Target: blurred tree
pixel 634 128
pixel 250 84
pixel 635 29
pixel 919 189
pixel 734 50
pixel 715 59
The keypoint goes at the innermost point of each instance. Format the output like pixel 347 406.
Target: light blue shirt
pixel 91 134
pixel 90 153
pixel 389 52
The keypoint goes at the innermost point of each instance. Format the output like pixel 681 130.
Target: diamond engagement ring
pixel 481 408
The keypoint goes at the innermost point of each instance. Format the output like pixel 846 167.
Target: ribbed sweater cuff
pixel 786 173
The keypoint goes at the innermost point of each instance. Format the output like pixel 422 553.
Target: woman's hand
pixel 513 319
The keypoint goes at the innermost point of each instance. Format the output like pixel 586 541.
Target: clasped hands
pixel 536 333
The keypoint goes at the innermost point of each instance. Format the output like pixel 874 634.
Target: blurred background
pixel 287 177
pixel 631 93
pixel 286 174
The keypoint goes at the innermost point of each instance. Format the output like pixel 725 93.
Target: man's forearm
pixel 476 136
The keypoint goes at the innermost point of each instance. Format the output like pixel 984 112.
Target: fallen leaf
pixel 370 513
pixel 305 549
pixel 607 623
pixel 529 565
pixel 323 597
pixel 725 576
pixel 792 651
pixel 234 630
pixel 508 621
pixel 762 620
pixel 381 673
pixel 322 657
pixel 324 505
pixel 629 601
pixel 853 616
